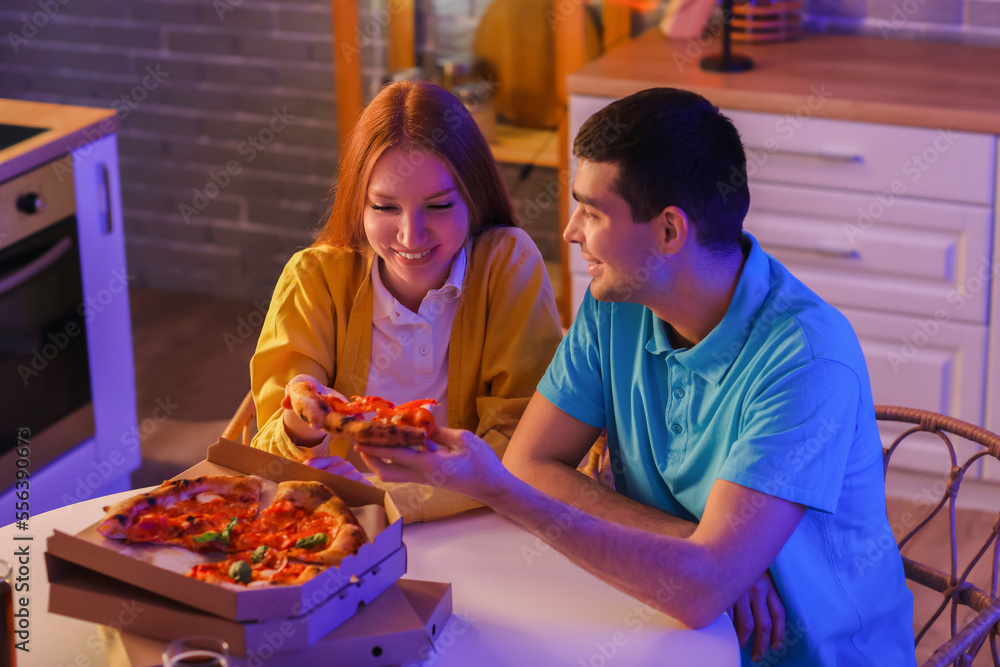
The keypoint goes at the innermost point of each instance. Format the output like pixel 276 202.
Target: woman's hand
pixel 301 433
pixel 337 466
pixel 460 461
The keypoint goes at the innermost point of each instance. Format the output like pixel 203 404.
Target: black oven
pixel 44 368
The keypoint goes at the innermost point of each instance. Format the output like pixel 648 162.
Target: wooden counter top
pixel 899 82
pixel 69 128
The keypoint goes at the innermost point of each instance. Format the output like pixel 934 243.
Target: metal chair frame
pixel 965 643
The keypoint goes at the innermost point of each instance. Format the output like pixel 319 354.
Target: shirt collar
pixel 712 357
pixel 384 304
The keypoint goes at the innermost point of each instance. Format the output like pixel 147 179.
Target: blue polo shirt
pixel 777 399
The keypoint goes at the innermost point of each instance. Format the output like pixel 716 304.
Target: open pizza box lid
pixel 163 569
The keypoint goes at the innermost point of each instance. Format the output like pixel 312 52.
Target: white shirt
pixel 410 350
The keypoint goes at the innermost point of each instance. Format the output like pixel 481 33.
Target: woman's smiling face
pixel 416 221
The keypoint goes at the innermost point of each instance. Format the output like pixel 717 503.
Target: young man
pixel 737 405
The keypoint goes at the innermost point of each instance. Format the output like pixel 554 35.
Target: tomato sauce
pixel 411 413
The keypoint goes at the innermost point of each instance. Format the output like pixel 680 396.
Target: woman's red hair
pixel 420 115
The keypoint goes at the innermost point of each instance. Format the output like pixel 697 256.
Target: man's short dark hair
pixel 673 148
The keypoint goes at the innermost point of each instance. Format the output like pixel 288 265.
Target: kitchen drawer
pixel 900 255
pixel 920 365
pixel 915 364
pixel 867 157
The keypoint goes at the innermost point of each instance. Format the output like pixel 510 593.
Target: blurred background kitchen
pixel 228 142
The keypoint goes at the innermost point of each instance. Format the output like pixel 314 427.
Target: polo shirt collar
pixel 452 288
pixel 713 356
pixel 384 304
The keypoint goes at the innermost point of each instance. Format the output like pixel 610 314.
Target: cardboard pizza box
pixel 327 597
pixel 81 593
pixel 398 626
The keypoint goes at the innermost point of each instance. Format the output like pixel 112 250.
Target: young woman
pixel 420 285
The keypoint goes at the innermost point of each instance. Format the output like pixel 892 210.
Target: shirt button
pixel 424 349
pixel 676 428
pixel 678 393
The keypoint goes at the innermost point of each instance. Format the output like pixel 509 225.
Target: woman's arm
pixel 297 338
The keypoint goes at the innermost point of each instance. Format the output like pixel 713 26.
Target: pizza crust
pixel 219 575
pixel 385 435
pixel 307 573
pixel 216 578
pixel 119 517
pixel 346 536
pixel 309 405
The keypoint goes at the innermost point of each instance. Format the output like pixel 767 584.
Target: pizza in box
pixel 304 530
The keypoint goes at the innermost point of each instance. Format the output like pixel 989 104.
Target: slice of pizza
pixel 388 425
pixel 199 514
pixel 261 567
pixel 308 521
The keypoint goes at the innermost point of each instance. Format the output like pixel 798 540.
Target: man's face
pixel 618 250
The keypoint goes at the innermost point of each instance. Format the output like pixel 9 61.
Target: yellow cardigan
pixel 505 333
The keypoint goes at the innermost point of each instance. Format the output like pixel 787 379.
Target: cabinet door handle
pixel 819 250
pixel 816 157
pixel 104 198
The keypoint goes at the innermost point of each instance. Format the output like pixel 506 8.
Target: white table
pixel 516 602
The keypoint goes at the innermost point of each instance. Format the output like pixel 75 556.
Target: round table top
pixel 516 601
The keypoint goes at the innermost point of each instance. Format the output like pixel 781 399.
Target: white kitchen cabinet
pixel 990 273
pixel 78 351
pixel 895 227
pixel 116 444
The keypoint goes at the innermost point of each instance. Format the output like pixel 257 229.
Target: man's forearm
pixel 574 488
pixel 672 575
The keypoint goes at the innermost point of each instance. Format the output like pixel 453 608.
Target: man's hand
pixel 337 466
pixel 760 613
pixel 301 433
pixel 460 462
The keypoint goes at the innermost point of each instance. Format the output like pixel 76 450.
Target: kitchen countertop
pixel 898 82
pixel 69 127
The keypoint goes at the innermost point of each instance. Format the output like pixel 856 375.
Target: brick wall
pixel 227 140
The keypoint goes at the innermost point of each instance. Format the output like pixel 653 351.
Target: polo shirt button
pixel 424 349
pixel 678 393
pixel 676 428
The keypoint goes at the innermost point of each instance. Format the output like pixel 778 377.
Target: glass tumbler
pixel 196 652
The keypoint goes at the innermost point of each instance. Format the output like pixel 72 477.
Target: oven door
pixel 44 369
